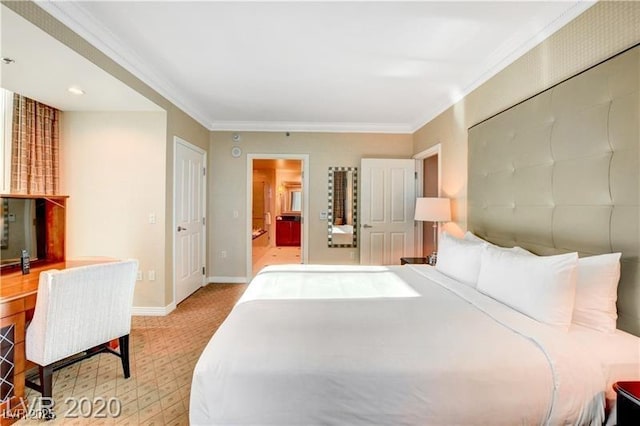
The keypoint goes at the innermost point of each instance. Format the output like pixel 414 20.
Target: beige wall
pixel 228 177
pixel 603 30
pixel 177 123
pixel 113 167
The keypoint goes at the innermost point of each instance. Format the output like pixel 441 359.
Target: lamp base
pixel 432 258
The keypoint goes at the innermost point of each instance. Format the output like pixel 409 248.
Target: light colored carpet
pixel 164 351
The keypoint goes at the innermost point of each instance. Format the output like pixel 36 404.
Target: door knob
pixel 180 228
pixel 367 226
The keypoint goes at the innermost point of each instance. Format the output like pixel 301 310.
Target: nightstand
pixel 628 402
pixel 413 260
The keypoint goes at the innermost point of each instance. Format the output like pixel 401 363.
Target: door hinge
pixel 204 221
pixel 415 175
pixel 203 271
pixel 204 171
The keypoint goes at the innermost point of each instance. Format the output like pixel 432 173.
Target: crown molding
pixel 509 55
pixel 277 126
pixel 512 52
pixel 86 26
pixel 74 16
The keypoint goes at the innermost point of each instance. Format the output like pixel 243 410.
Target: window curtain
pixel 35 147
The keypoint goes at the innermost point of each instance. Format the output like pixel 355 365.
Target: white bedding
pixel 326 282
pixel 302 347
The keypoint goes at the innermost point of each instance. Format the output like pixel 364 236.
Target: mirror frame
pixel 354 204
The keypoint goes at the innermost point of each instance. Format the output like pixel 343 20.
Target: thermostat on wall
pixel 236 152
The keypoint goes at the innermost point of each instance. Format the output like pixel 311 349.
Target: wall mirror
pixel 342 214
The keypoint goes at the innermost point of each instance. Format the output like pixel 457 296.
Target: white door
pixel 189 213
pixel 387 210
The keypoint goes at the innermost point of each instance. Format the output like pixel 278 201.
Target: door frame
pixel 305 205
pixel 178 140
pixel 420 157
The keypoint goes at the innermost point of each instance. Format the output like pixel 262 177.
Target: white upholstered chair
pixel 80 310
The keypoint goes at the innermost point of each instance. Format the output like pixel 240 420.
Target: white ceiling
pixel 315 66
pixel 44 69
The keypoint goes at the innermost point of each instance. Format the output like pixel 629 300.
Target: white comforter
pixel 301 347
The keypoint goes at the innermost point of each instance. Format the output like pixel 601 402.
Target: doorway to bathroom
pixel 277 202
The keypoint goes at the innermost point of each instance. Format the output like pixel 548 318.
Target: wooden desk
pixel 17 302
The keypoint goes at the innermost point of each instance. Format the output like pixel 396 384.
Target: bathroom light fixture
pixel 76 90
pixel 6 60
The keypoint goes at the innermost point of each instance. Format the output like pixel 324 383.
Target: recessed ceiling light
pixel 76 90
pixel 7 61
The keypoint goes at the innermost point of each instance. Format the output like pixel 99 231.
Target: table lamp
pixel 433 209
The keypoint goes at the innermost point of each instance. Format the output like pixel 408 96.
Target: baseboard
pixel 153 311
pixel 227 280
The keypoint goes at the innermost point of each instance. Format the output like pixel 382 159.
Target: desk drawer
pixel 11 308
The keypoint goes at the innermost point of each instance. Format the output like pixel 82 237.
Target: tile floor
pixel 164 351
pixel 277 256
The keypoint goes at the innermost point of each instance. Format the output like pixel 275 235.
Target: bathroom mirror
pixel 290 197
pixel 342 213
pixel 295 197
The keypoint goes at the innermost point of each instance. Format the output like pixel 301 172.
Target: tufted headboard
pixel 560 172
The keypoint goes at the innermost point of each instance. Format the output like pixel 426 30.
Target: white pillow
pixel 542 287
pixel 459 259
pixel 597 292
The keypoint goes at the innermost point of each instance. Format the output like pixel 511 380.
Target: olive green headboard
pixel 560 172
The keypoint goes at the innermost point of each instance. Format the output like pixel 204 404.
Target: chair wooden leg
pixel 46 380
pixel 124 355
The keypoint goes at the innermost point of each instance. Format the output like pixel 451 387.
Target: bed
pixel 397 345
pixel 556 175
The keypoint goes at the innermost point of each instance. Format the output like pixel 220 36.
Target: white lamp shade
pixel 431 209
